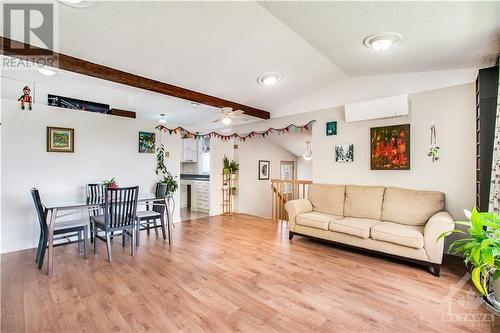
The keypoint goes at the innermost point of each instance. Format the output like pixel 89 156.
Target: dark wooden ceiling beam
pixel 23 51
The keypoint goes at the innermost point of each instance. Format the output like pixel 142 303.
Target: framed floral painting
pixel 390 147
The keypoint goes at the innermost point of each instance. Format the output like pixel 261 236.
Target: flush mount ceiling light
pixel 194 104
pixel 308 154
pixel 76 3
pixel 47 71
pixel 226 120
pixel 269 79
pixel 383 41
pixel 162 119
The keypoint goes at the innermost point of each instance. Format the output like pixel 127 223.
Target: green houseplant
pixel 480 249
pixel 226 168
pixel 167 184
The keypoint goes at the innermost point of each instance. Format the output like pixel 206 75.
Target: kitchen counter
pixel 188 176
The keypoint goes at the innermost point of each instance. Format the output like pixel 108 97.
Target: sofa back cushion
pixel 411 207
pixel 326 198
pixel 363 201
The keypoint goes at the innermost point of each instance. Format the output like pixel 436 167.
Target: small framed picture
pixel 344 153
pixel 60 140
pixel 331 128
pixel 264 170
pixel 146 142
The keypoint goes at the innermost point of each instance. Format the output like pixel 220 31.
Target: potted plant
pixel 226 165
pixel 481 251
pixel 233 190
pixel 167 184
pixel 233 168
pixel 110 183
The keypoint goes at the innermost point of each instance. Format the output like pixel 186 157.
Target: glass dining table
pixel 55 205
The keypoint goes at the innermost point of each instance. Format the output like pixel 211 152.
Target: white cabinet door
pixel 189 150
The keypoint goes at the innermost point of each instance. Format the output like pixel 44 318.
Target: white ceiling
pixel 220 48
pixel 437 35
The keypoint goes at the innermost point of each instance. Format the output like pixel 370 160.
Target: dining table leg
pixel 50 254
pixel 169 221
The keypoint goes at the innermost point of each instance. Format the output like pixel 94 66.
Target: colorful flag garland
pixel 280 131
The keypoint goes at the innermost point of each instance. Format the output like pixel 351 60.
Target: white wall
pixel 254 195
pixel 218 149
pixel 452 110
pixel 304 169
pixel 105 147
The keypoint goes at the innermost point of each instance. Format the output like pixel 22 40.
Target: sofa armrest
pixel 437 224
pixel 296 207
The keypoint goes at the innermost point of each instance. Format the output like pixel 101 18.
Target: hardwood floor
pixel 188 214
pixel 225 274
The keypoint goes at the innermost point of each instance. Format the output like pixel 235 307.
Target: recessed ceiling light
pixel 269 79
pixel 383 41
pixel 47 71
pixel 162 119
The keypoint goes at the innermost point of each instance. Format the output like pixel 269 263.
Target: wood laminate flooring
pixel 237 273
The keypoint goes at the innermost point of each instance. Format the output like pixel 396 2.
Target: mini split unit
pixel 388 107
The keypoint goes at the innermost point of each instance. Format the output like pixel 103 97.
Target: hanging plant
pixel 434 149
pixel 161 169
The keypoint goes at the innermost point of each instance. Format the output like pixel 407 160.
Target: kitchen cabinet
pixel 199 194
pixel 189 150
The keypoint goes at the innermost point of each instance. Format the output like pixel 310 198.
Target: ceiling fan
pixel 227 115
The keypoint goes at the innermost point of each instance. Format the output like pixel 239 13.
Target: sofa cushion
pixel 315 220
pixel 326 198
pixel 353 226
pixel 406 235
pixel 411 207
pixel 363 201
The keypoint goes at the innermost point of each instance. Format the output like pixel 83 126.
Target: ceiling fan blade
pixel 216 120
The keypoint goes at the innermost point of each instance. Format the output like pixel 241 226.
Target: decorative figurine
pixel 25 98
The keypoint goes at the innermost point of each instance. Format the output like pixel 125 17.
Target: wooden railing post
pixel 283 190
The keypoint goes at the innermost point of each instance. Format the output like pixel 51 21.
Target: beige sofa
pixel 394 221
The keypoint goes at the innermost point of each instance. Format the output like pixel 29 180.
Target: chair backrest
pixel 120 206
pixel 95 195
pixel 159 207
pixel 40 211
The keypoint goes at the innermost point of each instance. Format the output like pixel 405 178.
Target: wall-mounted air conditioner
pixel 388 107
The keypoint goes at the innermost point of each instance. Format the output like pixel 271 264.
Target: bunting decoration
pixel 225 137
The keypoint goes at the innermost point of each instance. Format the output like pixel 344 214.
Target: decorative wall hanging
pixel 146 142
pixel 264 170
pixel 60 140
pixel 25 98
pixel 280 131
pixel 390 147
pixel 434 149
pixel 344 153
pixel 331 128
pixel 77 104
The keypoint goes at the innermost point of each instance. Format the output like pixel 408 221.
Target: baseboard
pixel 17 246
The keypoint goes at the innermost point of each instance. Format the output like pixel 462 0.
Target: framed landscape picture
pixel 344 153
pixel 331 128
pixel 390 147
pixel 60 140
pixel 146 142
pixel 264 170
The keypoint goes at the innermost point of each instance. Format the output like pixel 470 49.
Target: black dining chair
pixel 150 217
pixel 66 229
pixel 95 196
pixel 120 208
